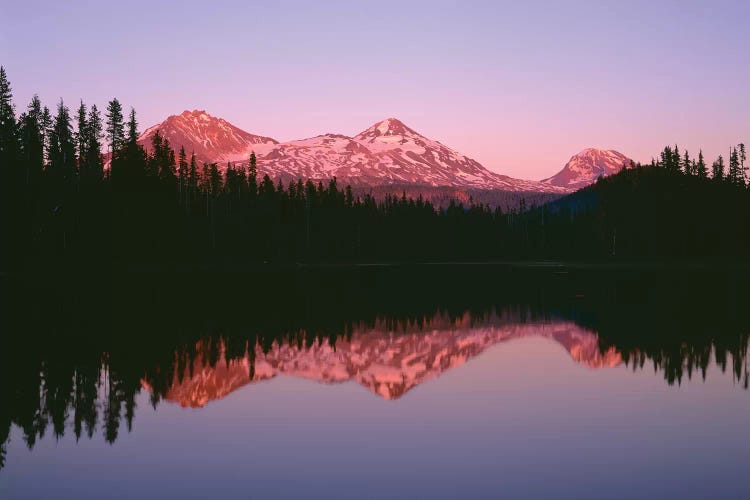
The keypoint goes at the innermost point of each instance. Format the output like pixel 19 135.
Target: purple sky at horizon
pixel 518 86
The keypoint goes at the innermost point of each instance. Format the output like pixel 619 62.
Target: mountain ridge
pixel 386 153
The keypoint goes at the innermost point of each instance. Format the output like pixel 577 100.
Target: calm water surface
pixel 558 387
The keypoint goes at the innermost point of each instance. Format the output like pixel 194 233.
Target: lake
pixel 378 382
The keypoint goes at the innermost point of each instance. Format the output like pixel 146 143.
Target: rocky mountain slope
pixel 211 139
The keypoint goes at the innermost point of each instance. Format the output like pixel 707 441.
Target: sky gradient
pixel 518 86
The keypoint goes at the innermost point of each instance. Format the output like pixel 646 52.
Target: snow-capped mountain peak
pixel 385 154
pixel 587 166
pixel 387 127
pixel 212 139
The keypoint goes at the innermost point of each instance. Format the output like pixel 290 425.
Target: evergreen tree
pixel 267 190
pixel 230 180
pixel 252 175
pixel 34 110
pixel 675 166
pixel 735 175
pixel 32 141
pixel 182 173
pixel 192 178
pixel 62 146
pixel 215 180
pixel 157 155
pixel 132 127
pixel 167 165
pixel 742 157
pixel 162 163
pixel 717 169
pixel 128 170
pixel 204 183
pixel 700 167
pixel 94 164
pixel 45 127
pixel 115 126
pixel 8 129
pixel 81 137
pixel 687 166
pixel 666 158
pixel 241 181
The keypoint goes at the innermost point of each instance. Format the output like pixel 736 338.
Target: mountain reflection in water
pixel 389 360
pixel 75 362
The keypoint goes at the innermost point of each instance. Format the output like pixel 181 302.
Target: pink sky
pixel 519 87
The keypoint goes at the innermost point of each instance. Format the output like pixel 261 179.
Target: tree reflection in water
pixel 75 355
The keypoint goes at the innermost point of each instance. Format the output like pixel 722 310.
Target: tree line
pixel 79 188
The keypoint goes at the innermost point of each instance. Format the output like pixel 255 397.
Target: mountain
pixel 211 139
pixel 586 167
pixel 388 363
pixel 387 153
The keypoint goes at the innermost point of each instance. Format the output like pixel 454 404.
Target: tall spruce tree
pixel 94 164
pixel 241 181
pixel 62 156
pixel 700 167
pixel 115 126
pixel 81 137
pixel 182 174
pixel 32 141
pixel 156 157
pixel 45 127
pixel 215 180
pixel 230 179
pixel 192 179
pixel 8 128
pixel 168 165
pixel 687 166
pixel 132 127
pixel 717 169
pixel 128 170
pixel 674 164
pixel 252 175
pixel 665 158
pixel 734 175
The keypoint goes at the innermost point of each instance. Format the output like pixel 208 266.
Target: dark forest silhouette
pixel 63 205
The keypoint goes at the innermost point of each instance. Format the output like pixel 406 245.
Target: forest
pixel 78 191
